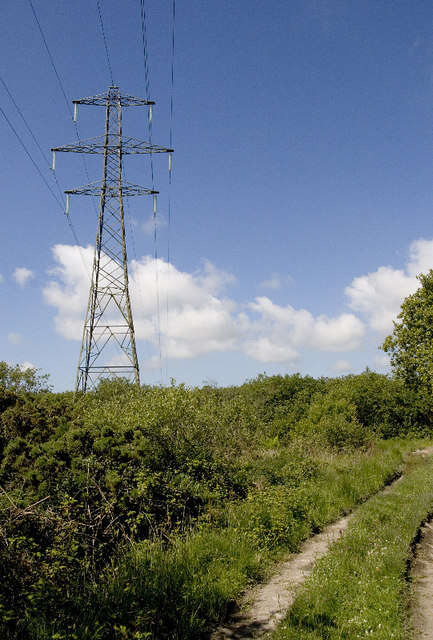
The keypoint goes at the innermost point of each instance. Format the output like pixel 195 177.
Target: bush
pixel 384 404
pixel 332 420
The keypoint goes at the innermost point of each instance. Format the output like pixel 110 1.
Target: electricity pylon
pixel 109 328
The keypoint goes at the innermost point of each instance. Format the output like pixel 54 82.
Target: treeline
pixel 86 482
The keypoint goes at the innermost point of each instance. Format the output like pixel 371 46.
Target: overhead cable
pixel 62 88
pixel 145 46
pixel 29 129
pixel 170 167
pixel 101 23
pixel 41 175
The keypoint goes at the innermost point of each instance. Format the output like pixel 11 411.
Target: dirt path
pixel 422 575
pixel 422 593
pixel 269 602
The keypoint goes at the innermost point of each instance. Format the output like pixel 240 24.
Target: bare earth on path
pixel 422 575
pixel 422 595
pixel 271 601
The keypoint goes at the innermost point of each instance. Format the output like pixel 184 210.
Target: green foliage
pixel 410 345
pixel 177 590
pixel 15 378
pixel 383 404
pixel 332 420
pixel 359 589
pixel 281 401
pixel 203 484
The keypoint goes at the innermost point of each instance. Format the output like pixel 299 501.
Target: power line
pixel 29 129
pixel 173 33
pixel 34 163
pixel 171 121
pixel 134 251
pixel 158 306
pixel 145 49
pixel 145 46
pixel 170 169
pixel 67 101
pixel 101 22
pixel 62 88
pixel 42 152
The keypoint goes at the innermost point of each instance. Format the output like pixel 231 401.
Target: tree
pixel 16 378
pixel 410 345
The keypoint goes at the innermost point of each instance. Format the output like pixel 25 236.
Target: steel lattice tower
pixel 109 327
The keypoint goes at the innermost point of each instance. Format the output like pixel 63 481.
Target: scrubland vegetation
pixel 143 513
pixel 360 588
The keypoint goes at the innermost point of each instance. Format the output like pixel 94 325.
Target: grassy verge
pixel 179 590
pixel 359 589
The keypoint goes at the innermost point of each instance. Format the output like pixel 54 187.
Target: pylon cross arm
pixel 111 190
pixel 113 144
pixel 124 99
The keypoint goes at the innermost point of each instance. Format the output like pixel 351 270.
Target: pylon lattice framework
pixel 109 326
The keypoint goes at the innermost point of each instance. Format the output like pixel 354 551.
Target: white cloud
pixel 420 257
pixel 298 328
pixel 69 292
pixel 14 338
pixel 266 349
pixel 341 366
pixel 27 365
pixel 22 275
pixel 1 278
pixel 198 320
pixel 195 315
pixel 379 295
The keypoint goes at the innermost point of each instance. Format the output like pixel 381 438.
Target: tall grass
pixel 359 588
pixel 179 590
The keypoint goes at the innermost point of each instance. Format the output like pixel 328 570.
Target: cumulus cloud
pixel 27 365
pixel 199 319
pixel 298 328
pixel 341 366
pixel 14 338
pixel 68 290
pixel 195 314
pixel 378 295
pixel 22 275
pixel 270 349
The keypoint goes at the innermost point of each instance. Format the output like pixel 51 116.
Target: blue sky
pixel 301 195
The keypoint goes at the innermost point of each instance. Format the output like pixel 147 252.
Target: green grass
pixel 178 591
pixel 359 589
pixel 143 513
